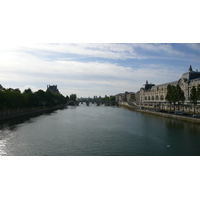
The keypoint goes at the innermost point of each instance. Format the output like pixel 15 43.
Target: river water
pixel 98 131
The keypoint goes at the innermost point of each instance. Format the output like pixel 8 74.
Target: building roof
pixel 166 84
pixel 190 75
pixel 53 89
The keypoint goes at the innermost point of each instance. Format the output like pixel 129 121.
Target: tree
pixel 174 95
pixel 169 95
pixel 106 98
pixel 194 96
pixel 198 92
pixel 2 99
pixel 67 98
pixel 1 88
pixel 112 98
pixel 72 97
pixel 180 95
pixel 27 91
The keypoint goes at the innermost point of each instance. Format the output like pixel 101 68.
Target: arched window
pixel 157 97
pixel 161 97
pixel 145 98
pixel 149 98
pixel 152 97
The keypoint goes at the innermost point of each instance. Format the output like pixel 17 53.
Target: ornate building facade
pixel 151 93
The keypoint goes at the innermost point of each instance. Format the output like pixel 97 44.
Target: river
pixel 98 131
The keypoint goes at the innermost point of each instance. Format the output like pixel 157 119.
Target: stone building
pixel 118 97
pixel 137 97
pixel 53 89
pixel 125 97
pixel 130 96
pixel 154 93
pixel 151 93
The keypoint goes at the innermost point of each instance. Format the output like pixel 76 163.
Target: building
pixel 151 93
pixel 137 97
pixel 53 89
pixel 126 97
pixel 130 96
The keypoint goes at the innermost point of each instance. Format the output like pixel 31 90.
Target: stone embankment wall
pixel 10 114
pixel 168 115
pixel 163 106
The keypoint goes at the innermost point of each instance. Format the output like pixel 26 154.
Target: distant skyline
pixel 95 69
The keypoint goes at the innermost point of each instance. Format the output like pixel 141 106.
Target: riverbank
pixel 30 112
pixel 187 118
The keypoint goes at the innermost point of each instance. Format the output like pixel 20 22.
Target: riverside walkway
pixel 162 113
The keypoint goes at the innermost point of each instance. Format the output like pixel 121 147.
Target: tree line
pixel 176 95
pixel 15 99
pixel 104 99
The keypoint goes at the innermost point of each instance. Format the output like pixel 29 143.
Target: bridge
pixel 98 103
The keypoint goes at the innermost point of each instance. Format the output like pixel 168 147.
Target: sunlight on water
pixel 2 144
pixel 98 130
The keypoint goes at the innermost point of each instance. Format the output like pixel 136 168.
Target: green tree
pixel 112 98
pixel 1 88
pixel 14 99
pixel 174 95
pixel 169 95
pixel 2 99
pixel 73 97
pixel 28 91
pixel 180 95
pixel 67 98
pixel 194 96
pixel 198 92
pixel 106 98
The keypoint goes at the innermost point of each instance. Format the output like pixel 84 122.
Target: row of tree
pixel 98 99
pixel 195 95
pixel 14 99
pixel 103 99
pixel 176 95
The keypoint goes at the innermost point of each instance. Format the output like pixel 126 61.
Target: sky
pixel 94 69
pixel 99 48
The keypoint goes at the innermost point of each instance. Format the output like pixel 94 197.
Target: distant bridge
pixel 98 103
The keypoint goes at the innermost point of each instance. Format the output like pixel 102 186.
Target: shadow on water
pixel 176 124
pixel 11 124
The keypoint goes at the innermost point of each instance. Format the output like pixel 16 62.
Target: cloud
pixel 28 65
pixel 120 51
pixel 165 49
pixel 108 51
pixel 194 46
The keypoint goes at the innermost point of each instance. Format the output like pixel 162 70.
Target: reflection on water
pixel 98 130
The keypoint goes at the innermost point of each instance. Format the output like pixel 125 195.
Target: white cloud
pixel 99 50
pixel 159 48
pixel 195 46
pixel 110 51
pixel 26 65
